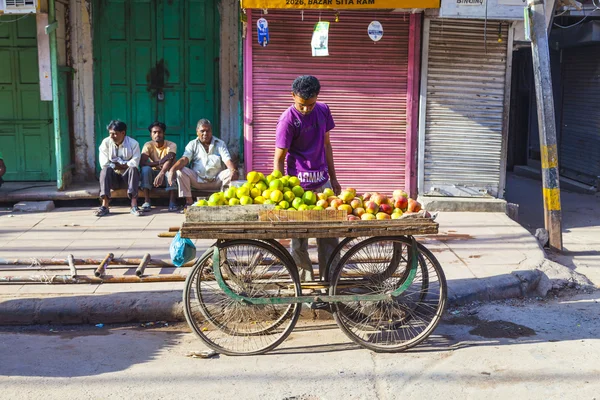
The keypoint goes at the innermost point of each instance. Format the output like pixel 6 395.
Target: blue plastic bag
pixel 182 250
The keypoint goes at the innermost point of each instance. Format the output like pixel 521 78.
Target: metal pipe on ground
pixel 86 261
pixel 90 279
pixel 140 269
pixel 103 265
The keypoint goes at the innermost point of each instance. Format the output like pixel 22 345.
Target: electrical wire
pixel 14 20
pixel 596 8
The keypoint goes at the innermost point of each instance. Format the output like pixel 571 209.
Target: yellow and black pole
pixel 535 21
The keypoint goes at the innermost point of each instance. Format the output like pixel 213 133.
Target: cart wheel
pixel 379 266
pixel 253 269
pixel 335 257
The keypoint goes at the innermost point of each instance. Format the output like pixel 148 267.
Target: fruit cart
pixel 386 291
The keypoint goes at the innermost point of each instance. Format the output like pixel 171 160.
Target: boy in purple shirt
pixel 303 137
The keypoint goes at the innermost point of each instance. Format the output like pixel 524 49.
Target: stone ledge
pixel 473 204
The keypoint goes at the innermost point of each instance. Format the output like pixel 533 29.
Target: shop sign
pixel 375 31
pixel 478 9
pixel 339 4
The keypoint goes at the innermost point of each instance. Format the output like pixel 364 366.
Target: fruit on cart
pixel 298 191
pixel 353 218
pixel 367 216
pixel 241 192
pixel 386 208
pixel 396 215
pixel 309 198
pixel 401 203
pixel 234 201
pixel 356 203
pixel 253 177
pixel 336 203
pixel 294 181
pixel 359 211
pixel 259 200
pixel 289 196
pixel 318 208
pixel 413 206
pixel 382 215
pixel 245 200
pixel 399 193
pixel 346 207
pixel 346 196
pixel 297 202
pixel 379 199
pixel 276 196
pixel 201 203
pixel 284 205
pixel 302 207
pixel 371 207
pixel 230 193
pixel 276 184
pixel 328 192
pixel 323 203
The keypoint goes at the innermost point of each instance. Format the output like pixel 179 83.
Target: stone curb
pixel 168 305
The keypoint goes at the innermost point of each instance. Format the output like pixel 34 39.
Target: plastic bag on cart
pixel 181 250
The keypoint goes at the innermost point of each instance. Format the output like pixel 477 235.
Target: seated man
pixel 119 158
pixel 205 156
pixel 2 169
pixel 158 156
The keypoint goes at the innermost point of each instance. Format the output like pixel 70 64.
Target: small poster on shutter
pixel 320 39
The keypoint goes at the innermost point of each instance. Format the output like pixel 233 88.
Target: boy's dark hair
pixel 117 126
pixel 306 86
pixel 161 125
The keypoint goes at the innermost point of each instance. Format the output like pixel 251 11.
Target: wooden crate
pixel 304 215
pixel 226 213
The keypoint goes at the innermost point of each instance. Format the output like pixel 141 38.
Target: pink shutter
pixel 364 83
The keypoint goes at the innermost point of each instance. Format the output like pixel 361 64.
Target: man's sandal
pixel 146 207
pixel 173 208
pixel 136 211
pixel 101 211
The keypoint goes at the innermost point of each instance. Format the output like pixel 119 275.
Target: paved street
pixel 534 350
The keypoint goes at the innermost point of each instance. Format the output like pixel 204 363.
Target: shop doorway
pixel 156 60
pixel 25 121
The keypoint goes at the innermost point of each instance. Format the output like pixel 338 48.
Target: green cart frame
pixel 243 296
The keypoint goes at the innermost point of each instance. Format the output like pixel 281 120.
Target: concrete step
pixel 472 204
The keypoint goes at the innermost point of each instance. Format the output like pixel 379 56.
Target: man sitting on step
pixel 210 165
pixel 158 156
pixel 119 158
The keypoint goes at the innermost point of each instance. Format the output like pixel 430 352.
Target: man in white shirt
pixel 207 158
pixel 119 158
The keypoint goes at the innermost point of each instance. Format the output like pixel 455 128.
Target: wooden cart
pixel 386 291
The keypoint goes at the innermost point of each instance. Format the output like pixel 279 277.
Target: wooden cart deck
pixel 307 229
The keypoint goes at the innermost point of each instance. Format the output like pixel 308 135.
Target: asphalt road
pixel 530 349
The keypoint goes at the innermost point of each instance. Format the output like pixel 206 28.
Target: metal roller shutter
pixel 465 88
pixel 364 83
pixel 579 154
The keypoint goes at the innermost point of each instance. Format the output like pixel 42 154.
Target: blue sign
pixel 262 27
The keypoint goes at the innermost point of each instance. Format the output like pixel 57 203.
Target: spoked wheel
pixel 380 266
pixel 341 249
pixel 251 269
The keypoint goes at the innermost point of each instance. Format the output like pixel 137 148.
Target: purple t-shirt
pixel 304 137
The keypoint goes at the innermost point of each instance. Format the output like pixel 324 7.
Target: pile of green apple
pixel 286 193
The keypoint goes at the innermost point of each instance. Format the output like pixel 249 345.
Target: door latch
pixel 160 96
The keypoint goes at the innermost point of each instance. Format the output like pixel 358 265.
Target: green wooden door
pixel 156 60
pixel 25 121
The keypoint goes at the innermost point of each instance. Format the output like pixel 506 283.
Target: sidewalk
pixel 485 256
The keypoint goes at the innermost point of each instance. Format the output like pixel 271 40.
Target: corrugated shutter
pixel 364 83
pixel 464 108
pixel 579 155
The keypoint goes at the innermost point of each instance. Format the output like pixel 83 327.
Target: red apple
pixel 386 208
pixel 401 203
pixel 371 207
pixel 335 203
pixel 379 198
